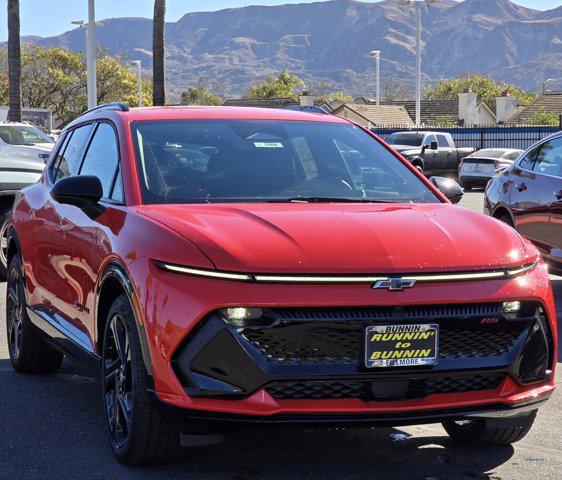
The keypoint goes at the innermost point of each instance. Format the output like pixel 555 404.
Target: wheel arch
pixel 115 282
pixel 501 211
pixel 418 162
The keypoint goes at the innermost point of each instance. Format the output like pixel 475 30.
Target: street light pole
pixel 138 63
pixel 91 55
pixel 376 54
pixel 418 63
pixel 418 5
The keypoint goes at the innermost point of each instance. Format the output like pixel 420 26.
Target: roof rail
pixel 109 106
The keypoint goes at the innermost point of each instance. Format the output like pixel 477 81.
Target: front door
pixel 531 194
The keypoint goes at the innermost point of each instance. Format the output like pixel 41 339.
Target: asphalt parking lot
pixel 53 427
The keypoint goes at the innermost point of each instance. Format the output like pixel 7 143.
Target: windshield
pixel 23 135
pixel 410 139
pixel 201 161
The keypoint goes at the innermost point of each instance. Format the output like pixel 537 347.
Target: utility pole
pixel 91 55
pixel 418 5
pixel 376 54
pixel 138 64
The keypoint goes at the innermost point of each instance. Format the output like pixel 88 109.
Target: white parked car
pixel 23 153
pixel 477 169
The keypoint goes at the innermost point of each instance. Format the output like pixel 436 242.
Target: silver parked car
pixel 477 169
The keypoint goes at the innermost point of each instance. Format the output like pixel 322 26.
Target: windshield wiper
pixel 323 200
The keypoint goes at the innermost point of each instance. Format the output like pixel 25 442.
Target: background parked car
pixel 528 196
pixel 23 151
pixel 433 153
pixel 478 168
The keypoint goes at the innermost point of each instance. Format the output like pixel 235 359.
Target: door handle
pixel 521 187
pixel 558 194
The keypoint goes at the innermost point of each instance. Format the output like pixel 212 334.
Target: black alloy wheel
pixel 14 313
pixel 117 376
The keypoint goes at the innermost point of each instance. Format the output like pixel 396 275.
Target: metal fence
pixel 500 136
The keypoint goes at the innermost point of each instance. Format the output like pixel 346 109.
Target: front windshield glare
pixel 23 135
pixel 204 161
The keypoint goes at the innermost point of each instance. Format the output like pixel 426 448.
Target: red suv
pixel 224 268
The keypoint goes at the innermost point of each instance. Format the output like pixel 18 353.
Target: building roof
pixel 432 111
pixel 550 102
pixel 389 114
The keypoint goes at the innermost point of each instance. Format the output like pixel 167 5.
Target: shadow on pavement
pixel 59 419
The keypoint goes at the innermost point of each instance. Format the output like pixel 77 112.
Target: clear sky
pixel 52 17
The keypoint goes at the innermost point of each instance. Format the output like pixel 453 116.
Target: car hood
pixel 338 238
pixel 406 149
pixel 22 164
pixel 25 153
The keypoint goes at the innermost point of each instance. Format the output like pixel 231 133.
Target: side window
pixel 528 160
pixel 429 139
pixel 442 141
pixel 102 157
pixel 117 193
pixel 549 159
pixel 60 154
pixel 72 156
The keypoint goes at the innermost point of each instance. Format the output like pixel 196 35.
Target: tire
pixel 467 187
pixel 419 168
pixel 29 352
pixel 4 217
pixel 138 434
pixel 475 432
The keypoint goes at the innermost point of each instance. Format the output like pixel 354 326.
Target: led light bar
pixel 204 273
pixel 320 279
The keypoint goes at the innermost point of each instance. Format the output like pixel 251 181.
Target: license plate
pixel 401 345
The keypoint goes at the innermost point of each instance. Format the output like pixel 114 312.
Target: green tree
pixel 281 87
pixel 483 85
pixel 332 97
pixel 14 61
pixel 158 54
pixel 198 95
pixel 543 117
pixel 55 78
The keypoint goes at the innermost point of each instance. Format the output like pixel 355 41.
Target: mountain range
pixel 328 44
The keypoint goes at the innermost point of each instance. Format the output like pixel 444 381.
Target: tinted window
pixel 117 193
pixel 409 139
pixel 102 157
pixel 264 160
pixel 442 139
pixel 60 154
pixel 72 157
pixel 528 160
pixel 429 139
pixel 549 158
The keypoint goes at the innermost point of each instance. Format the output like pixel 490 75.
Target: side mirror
pixel 448 187
pixel 80 191
pixel 434 145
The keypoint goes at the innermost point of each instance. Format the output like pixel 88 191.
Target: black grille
pixel 416 388
pixel 342 343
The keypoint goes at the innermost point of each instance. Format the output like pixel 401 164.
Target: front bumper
pixel 209 422
pixel 177 307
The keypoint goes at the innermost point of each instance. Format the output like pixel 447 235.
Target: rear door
pixel 48 235
pixel 531 194
pixel 447 155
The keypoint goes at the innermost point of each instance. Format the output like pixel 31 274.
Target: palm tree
pixel 158 73
pixel 14 61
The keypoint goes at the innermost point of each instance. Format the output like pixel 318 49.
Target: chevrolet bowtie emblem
pixel 394 283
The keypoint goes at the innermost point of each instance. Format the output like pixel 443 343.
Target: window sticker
pixel 268 144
